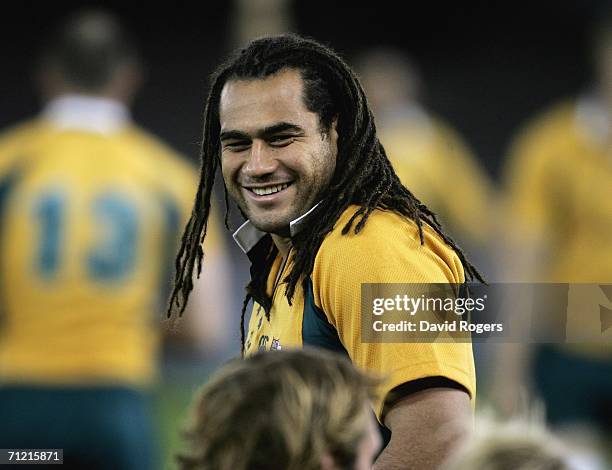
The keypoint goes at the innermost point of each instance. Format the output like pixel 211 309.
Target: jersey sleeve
pixel 388 250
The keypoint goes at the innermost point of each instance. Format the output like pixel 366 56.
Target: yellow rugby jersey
pixel 387 250
pixel 434 162
pixel 89 226
pixel 559 194
pixel 559 190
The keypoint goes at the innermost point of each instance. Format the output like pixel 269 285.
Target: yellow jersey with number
pixel 328 315
pixel 89 226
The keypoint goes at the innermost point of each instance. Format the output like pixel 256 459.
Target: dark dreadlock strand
pixel 363 176
pixel 245 303
pixel 253 288
pixel 191 250
pixel 227 207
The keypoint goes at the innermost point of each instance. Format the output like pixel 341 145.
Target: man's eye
pixel 281 140
pixel 236 145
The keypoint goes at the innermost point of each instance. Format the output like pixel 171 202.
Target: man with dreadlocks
pixel 288 122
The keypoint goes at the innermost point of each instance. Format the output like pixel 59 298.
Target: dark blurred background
pixel 486 65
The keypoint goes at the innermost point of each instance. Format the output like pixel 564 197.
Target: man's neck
pixel 282 243
pixel 87 112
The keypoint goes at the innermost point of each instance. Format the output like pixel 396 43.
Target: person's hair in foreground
pixel 281 410
pixel 363 174
pixel 519 444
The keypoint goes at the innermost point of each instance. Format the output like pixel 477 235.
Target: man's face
pixel 276 161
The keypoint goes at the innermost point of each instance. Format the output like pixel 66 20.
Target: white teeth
pixel 269 189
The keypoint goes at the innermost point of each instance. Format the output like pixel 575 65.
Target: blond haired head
pixel 285 410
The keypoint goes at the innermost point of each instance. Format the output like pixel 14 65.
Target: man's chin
pixel 275 227
pixel 277 223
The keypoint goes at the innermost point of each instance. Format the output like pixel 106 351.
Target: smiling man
pixel 260 118
pixel 288 122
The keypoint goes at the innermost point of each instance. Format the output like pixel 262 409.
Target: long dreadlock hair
pixel 363 175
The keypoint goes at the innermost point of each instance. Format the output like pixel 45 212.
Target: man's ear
pixel 49 80
pixel 127 80
pixel 332 135
pixel 333 132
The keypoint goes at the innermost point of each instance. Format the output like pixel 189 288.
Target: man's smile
pixel 269 192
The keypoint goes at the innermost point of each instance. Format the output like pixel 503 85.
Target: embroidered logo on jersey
pixel 276 346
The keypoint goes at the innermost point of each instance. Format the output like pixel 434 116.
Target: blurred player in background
pixel 428 155
pixel 255 18
pixel 305 410
pixel 559 198
pixel 91 212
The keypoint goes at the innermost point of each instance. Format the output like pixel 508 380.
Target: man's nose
pixel 260 160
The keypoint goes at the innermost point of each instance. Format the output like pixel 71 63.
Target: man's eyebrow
pixel 280 127
pixel 262 133
pixel 231 134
